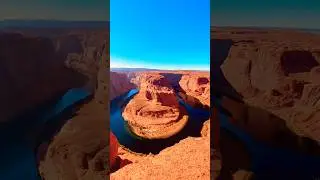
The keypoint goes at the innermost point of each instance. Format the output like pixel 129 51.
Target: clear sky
pixel 268 13
pixel 161 34
pixel 55 9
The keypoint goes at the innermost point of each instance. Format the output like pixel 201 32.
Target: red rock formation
pixel 197 86
pixel 32 73
pixel 276 71
pixel 119 84
pixel 188 159
pixel 155 112
pixel 114 145
pixel 80 150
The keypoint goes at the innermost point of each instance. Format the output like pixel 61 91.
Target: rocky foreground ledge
pixel 187 159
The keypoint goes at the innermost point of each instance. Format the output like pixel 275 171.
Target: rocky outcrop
pixel 119 84
pixel 80 149
pixel 155 111
pixel 114 145
pixel 188 159
pixel 277 71
pixel 196 88
pixel 32 73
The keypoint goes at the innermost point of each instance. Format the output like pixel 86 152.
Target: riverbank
pixel 193 127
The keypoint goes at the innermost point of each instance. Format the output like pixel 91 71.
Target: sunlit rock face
pixel 119 84
pixel 196 88
pixel 155 111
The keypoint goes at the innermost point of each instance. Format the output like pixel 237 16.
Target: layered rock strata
pixel 276 71
pixel 155 111
pixel 188 159
pixel 32 73
pixel 119 85
pixel 196 88
pixel 80 149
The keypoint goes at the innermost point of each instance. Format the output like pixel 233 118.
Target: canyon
pixel 38 67
pixel 267 78
pixel 155 112
pixel 74 144
pixel 156 108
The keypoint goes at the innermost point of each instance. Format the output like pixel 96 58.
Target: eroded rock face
pixel 32 72
pixel 155 112
pixel 81 148
pixel 114 145
pixel 196 87
pixel 188 159
pixel 120 84
pixel 277 71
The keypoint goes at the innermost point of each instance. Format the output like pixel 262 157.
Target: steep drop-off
pixel 269 80
pixel 32 72
pixel 155 111
pixel 80 148
pixel 276 71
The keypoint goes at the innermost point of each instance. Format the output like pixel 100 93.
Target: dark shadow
pixel 174 80
pixel 237 154
pixel 44 133
pixel 120 163
pixel 219 50
pixel 234 154
pixel 297 61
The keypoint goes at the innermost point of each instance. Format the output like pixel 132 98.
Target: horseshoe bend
pixel 155 111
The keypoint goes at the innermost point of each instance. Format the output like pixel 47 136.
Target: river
pixel 267 161
pixel 137 144
pixel 17 154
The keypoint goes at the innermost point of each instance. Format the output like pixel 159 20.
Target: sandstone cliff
pixel 188 159
pixel 155 112
pixel 29 67
pixel 156 106
pixel 276 71
pixel 119 84
pixel 80 149
pixel 197 86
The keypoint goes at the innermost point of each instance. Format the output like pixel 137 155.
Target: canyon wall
pixel 119 84
pixel 196 88
pixel 32 72
pixel 277 71
pixel 80 148
pixel 155 111
pixel 188 159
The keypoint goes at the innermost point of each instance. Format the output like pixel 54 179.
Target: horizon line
pixel 65 20
pixel 160 69
pixel 269 27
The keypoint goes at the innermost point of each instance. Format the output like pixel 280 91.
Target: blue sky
pixel 268 13
pixel 166 34
pixel 55 9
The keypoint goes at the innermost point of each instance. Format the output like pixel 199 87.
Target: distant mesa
pixel 20 23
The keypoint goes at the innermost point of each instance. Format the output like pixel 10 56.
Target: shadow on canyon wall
pixel 45 133
pixel 258 123
pixel 35 75
pixel 174 80
pixel 219 50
